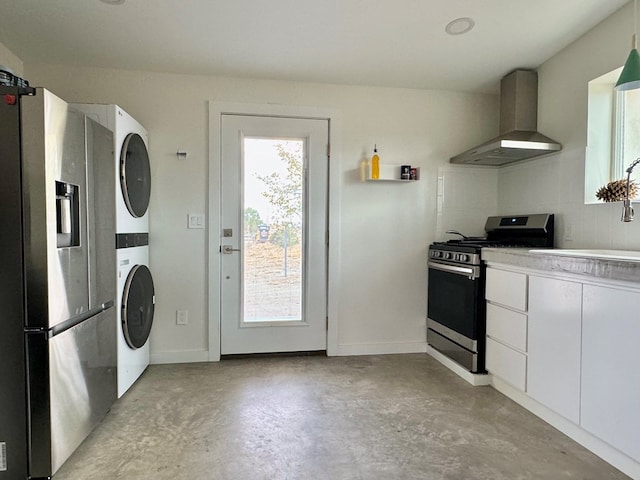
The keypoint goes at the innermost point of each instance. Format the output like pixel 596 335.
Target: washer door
pixel 135 175
pixel 138 301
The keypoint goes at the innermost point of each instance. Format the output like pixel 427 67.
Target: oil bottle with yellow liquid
pixel 375 164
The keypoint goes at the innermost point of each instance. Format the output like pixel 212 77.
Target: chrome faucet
pixel 627 209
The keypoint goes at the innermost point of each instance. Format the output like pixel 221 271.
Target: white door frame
pixel 214 230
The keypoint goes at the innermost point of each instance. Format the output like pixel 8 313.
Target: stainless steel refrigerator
pixel 57 280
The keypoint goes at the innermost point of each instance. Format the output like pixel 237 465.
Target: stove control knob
pixel 447 255
pixel 463 258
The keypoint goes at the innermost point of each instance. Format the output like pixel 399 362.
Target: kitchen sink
pixel 625 255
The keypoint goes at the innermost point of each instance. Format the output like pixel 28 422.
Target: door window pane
pixel 273 200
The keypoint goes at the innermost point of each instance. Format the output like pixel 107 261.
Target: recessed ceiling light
pixel 459 26
pixel 113 2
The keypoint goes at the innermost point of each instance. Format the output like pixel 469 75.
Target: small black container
pixel 8 79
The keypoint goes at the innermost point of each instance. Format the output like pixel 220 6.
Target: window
pixel 626 132
pixel 613 141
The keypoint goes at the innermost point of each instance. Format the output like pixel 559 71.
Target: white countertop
pixel 610 267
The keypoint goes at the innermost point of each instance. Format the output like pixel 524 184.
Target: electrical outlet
pixel 568 231
pixel 182 317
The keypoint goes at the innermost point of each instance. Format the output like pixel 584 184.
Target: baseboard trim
pixel 188 356
pixel 475 379
pixel 380 348
pixel 609 454
pixel 195 356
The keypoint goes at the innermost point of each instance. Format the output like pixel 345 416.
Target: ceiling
pixel 393 43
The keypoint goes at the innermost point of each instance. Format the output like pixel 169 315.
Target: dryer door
pixel 135 175
pixel 138 301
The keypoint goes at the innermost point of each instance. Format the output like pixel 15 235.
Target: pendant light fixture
pixel 630 76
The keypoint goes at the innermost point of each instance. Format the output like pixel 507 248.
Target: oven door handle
pixel 470 272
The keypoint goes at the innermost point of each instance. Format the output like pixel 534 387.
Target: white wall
pixel 8 59
pixel 384 228
pixel 556 183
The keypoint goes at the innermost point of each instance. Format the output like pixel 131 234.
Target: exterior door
pixel 273 243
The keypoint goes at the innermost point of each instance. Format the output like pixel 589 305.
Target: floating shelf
pixel 389 173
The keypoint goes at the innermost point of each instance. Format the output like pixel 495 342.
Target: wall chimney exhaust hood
pixel 519 138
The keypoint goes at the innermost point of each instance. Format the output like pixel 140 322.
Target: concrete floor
pixel 379 417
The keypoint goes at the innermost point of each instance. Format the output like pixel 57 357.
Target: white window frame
pixel 617 135
pixel 622 159
pixel 605 158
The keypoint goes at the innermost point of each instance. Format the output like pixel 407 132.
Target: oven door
pixel 456 303
pixel 456 313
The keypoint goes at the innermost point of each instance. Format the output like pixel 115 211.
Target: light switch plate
pixel 195 220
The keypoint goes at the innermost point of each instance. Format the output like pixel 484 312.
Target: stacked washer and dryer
pixel 136 295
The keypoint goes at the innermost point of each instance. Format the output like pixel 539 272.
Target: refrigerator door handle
pixel 73 321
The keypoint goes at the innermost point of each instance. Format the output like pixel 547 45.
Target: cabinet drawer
pixel 507 288
pixel 507 326
pixel 506 363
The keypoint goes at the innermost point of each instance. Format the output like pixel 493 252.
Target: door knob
pixel 228 249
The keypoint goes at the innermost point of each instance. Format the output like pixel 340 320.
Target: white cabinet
pixel 553 368
pixel 506 363
pixel 506 294
pixel 507 326
pixel 571 343
pixel 610 399
pixel 507 288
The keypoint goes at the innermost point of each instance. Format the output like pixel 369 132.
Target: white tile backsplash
pixel 466 197
pixel 555 184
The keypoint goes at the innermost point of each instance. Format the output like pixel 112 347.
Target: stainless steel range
pixel 456 322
